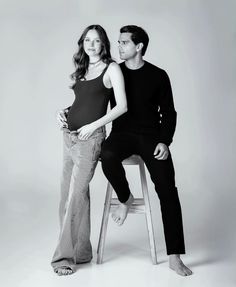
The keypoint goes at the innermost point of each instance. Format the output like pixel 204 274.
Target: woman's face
pixel 92 43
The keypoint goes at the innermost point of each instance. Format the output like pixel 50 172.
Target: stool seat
pixel 139 206
pixel 132 160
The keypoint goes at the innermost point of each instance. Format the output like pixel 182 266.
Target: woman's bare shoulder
pixel 114 68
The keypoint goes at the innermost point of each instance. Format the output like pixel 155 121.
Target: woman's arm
pixel 117 80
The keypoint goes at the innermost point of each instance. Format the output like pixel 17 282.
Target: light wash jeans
pixel 80 158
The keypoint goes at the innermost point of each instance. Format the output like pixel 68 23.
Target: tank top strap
pixel 104 70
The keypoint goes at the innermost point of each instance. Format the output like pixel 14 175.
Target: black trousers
pixel 120 145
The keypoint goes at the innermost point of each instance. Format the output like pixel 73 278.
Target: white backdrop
pixel 194 41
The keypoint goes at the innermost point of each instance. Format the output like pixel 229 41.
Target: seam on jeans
pixel 94 150
pixel 97 147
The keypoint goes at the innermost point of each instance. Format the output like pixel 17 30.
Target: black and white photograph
pixel 117 149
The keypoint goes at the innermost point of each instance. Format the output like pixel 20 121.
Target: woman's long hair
pixel 81 59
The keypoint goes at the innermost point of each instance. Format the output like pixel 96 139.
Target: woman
pixel 96 77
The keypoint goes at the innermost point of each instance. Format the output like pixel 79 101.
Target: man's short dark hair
pixel 139 35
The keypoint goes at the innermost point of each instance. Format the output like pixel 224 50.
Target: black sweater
pixel 150 103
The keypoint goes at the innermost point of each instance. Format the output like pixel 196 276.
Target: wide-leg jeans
pixel 80 158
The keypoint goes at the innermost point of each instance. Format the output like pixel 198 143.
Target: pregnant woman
pixel 97 78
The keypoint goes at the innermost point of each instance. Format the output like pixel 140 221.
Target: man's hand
pixel 61 118
pixel 161 152
pixel 86 131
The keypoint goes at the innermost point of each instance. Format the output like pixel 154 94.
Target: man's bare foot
pixel 176 264
pixel 121 212
pixel 63 270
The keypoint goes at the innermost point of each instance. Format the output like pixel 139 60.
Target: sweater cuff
pixel 165 141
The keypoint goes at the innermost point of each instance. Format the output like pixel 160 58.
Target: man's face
pixel 127 48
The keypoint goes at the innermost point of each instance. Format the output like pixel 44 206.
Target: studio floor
pixel 29 239
pixel 128 269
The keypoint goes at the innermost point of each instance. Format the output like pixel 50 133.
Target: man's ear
pixel 139 46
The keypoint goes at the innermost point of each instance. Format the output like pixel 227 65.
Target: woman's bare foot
pixel 63 270
pixel 121 212
pixel 176 264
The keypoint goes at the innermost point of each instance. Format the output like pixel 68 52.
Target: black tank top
pixel 90 104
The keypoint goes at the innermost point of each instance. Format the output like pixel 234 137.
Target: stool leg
pixel 103 229
pixel 148 213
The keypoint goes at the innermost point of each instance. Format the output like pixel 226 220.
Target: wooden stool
pixel 140 205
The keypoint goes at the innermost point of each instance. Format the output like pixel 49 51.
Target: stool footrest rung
pixel 138 206
pixel 137 201
pixel 132 209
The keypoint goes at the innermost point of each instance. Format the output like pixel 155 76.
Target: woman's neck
pixel 94 60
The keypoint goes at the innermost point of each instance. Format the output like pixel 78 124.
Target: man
pixel 146 129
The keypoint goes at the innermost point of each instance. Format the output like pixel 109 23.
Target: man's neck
pixel 135 63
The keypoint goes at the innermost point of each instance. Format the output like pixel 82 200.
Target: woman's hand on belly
pixel 86 131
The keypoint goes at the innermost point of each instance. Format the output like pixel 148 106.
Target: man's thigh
pixel 120 144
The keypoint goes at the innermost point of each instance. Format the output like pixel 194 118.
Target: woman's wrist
pixel 94 125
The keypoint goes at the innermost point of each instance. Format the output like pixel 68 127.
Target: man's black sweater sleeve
pixel 167 111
